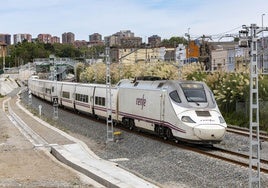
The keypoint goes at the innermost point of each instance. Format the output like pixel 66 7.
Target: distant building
pixel 68 38
pixel 112 40
pixel 55 39
pixel 45 38
pixel 131 55
pixel 124 38
pixel 22 37
pixel 130 42
pixel 80 43
pixel 154 40
pixel 223 56
pixel 124 33
pixel 95 39
pixel 192 51
pixel 3 51
pixel 5 38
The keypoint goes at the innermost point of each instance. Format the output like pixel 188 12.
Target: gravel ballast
pixel 159 162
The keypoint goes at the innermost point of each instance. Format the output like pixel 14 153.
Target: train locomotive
pixel 172 109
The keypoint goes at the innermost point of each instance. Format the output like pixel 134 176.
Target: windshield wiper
pixel 189 99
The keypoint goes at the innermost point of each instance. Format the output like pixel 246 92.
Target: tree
pixel 173 41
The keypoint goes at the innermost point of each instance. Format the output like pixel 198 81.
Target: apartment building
pixel 154 41
pixel 55 39
pixel 68 38
pixel 128 42
pixel 19 38
pixel 95 39
pixel 5 38
pixel 3 51
pixel 45 38
pixel 80 43
pixel 125 36
pixel 223 56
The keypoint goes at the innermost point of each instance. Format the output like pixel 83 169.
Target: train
pixel 172 109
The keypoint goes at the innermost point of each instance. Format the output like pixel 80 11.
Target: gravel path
pixel 23 165
pixel 154 160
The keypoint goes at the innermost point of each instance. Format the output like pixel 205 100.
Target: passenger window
pixel 175 96
pixel 65 94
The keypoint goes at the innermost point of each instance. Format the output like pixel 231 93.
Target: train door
pixel 93 101
pixel 60 94
pixel 162 106
pixel 73 97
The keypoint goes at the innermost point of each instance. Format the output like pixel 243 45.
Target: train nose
pixel 209 132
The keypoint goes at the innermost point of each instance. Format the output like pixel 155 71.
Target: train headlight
pixel 187 119
pixel 221 119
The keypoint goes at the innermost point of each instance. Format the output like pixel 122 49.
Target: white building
pixel 21 37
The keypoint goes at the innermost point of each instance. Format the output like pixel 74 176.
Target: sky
pixel 165 18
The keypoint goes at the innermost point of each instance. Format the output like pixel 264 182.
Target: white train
pixel 182 110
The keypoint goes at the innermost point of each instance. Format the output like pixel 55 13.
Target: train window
pixel 160 85
pixel 212 97
pixel 103 101
pixel 97 100
pixel 100 101
pixel 81 97
pixel 48 91
pixel 194 92
pixel 65 94
pixel 175 96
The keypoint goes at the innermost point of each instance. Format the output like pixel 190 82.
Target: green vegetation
pixel 25 52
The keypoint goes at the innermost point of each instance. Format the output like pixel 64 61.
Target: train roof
pixel 157 84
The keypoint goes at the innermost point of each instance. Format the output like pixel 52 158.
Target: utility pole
pixel 205 54
pixel 55 98
pixel 188 47
pixel 262 45
pixel 254 148
pixel 109 121
pixel 180 63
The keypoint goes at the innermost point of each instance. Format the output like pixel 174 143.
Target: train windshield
pixel 194 92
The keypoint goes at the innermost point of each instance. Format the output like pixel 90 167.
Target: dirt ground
pixel 22 165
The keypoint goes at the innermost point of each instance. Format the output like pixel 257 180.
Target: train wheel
pixel 131 124
pixel 168 133
pixel 156 129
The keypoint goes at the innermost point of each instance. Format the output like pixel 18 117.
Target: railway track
pixel 211 151
pixel 215 152
pixel 238 158
pixel 245 132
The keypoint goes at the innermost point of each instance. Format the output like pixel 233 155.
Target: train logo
pixel 141 101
